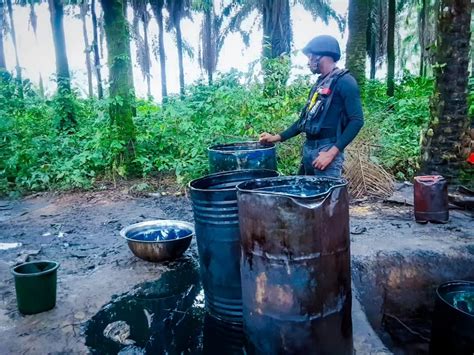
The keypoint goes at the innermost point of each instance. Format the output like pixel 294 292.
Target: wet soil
pixel 98 271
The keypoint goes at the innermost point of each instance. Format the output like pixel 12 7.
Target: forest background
pixel 150 100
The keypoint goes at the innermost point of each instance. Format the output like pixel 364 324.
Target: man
pixel 332 116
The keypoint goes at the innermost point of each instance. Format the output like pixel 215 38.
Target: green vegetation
pixel 173 138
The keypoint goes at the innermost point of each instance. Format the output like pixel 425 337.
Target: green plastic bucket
pixel 35 284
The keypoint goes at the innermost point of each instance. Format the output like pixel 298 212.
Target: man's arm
pixel 288 133
pixel 353 108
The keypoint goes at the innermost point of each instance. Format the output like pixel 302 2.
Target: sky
pixel 36 52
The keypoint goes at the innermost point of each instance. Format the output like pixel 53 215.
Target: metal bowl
pixel 158 240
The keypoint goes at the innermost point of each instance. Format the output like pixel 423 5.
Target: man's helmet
pixel 323 45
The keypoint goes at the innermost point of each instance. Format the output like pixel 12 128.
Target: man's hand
pixel 325 158
pixel 269 138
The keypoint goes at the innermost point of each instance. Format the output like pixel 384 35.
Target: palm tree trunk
pixel 357 41
pixel 277 38
pixel 208 54
pixel 373 59
pixel 422 21
pixel 83 13
pixel 121 90
pixel 157 8
pixel 3 64
pixel 56 11
pixel 277 34
pixel 33 17
pixel 447 142
pixel 15 47
pixel 95 49
pixel 391 48
pixel 179 40
pixel 41 86
pixel 147 55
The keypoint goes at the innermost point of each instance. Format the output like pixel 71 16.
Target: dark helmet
pixel 323 45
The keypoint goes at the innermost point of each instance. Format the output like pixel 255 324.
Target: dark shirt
pixel 345 102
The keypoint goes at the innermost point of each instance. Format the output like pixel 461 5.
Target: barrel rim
pixel 14 269
pixel 453 283
pixel 224 173
pixel 240 187
pixel 213 148
pixel 158 222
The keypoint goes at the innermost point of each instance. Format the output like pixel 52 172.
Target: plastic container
pixel 431 199
pixel 35 284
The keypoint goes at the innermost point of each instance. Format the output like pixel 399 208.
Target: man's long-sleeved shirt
pixel 345 102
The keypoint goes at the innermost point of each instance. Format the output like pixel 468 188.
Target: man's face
pixel 313 63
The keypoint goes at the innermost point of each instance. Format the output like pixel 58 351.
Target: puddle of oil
pixel 162 317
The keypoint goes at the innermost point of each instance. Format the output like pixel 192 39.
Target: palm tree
pixel 157 8
pixel 357 41
pixel 3 65
pixel 276 16
pixel 87 49
pixel 178 9
pixel 140 14
pixel 56 11
pixel 277 34
pixel 447 142
pixel 391 48
pixel 121 90
pixel 95 49
pixel 213 33
pixel 15 47
pixel 208 51
pixel 33 18
pixel 376 34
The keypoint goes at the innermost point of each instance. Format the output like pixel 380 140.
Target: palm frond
pixel 365 177
pixel 321 9
pixel 141 15
pixel 377 29
pixel 33 18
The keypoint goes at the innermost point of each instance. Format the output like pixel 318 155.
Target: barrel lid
pixel 241 147
pixel 305 187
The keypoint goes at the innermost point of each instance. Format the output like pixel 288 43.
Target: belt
pixel 320 142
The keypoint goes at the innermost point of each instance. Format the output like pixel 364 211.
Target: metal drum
pixel 243 155
pixel 295 265
pixel 217 233
pixel 431 199
pixel 452 330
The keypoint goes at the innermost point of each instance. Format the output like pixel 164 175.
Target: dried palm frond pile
pixel 366 178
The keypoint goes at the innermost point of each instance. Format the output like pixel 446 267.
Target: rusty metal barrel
pixel 216 221
pixel 241 156
pixel 295 265
pixel 431 199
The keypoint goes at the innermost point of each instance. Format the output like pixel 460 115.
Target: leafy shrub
pixel 173 137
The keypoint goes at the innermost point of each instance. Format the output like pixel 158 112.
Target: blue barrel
pixel 218 238
pixel 241 156
pixel 295 266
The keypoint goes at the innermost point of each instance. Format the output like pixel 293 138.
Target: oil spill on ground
pixel 164 316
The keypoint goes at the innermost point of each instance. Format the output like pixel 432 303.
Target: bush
pixel 173 137
pixel 395 124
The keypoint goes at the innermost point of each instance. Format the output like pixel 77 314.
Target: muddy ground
pixel 81 231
